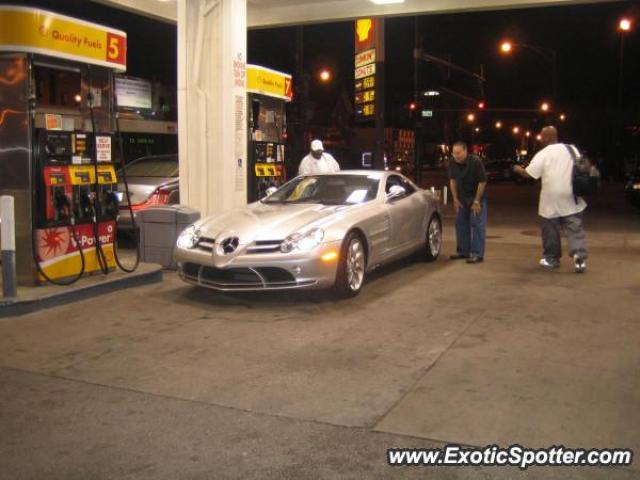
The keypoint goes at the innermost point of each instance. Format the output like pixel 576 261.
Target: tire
pixel 351 267
pixel 433 240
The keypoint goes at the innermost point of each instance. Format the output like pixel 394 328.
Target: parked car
pixel 315 232
pixel 632 189
pixel 152 181
pixel 499 170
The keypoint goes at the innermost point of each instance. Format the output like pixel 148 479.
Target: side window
pixel 397 180
pixel 391 181
pixel 408 187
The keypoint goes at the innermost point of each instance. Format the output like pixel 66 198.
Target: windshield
pixel 154 167
pixel 328 190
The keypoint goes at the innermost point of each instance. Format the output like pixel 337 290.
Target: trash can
pixel 159 230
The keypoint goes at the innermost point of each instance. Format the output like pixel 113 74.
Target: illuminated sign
pixel 369 50
pixel 269 82
pixel 31 30
pixel 367 96
pixel 366 110
pixel 133 92
pixel 365 71
pixel 366 83
pixel 363 29
pixel 365 58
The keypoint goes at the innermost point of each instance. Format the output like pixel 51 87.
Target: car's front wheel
pixel 351 267
pixel 433 240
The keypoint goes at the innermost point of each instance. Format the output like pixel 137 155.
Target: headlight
pixel 189 237
pixel 302 242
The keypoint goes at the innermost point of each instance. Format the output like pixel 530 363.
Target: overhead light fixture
pixel 386 2
pixel 431 93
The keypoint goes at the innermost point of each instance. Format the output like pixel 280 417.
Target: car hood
pixel 260 221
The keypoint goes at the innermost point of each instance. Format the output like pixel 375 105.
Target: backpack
pixel 586 176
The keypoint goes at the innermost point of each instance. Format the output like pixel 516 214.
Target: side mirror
pixel 396 191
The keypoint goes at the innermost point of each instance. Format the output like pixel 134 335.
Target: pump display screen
pixel 58 144
pixel 56 178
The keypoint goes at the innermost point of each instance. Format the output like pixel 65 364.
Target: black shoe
pixel 475 259
pixel 457 256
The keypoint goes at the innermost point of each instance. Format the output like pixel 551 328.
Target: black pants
pixel 571 225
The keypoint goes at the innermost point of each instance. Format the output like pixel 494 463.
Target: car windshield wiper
pixel 306 200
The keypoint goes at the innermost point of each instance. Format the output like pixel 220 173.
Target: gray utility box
pixel 159 230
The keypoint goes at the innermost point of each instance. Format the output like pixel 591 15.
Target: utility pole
pixel 418 145
pixel 300 112
pixel 378 156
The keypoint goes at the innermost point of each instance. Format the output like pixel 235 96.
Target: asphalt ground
pixel 167 381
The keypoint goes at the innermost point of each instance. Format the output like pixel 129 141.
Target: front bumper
pixel 258 272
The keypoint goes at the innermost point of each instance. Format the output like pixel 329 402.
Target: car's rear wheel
pixel 351 267
pixel 433 240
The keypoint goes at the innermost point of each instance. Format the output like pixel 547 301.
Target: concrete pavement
pixel 168 381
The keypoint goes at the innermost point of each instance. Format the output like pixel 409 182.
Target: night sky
pixel 584 37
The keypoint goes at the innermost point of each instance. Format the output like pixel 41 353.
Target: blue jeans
pixel 471 231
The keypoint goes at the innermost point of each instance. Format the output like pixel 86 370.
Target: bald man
pixel 559 208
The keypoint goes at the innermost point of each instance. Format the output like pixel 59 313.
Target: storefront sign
pixel 24 29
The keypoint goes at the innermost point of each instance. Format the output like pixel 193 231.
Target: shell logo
pixel 363 29
pixel 53 242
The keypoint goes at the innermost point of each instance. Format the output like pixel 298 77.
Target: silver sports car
pixel 316 231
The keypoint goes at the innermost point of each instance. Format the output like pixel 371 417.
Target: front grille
pixel 276 275
pixel 206 244
pixel 238 278
pixel 264 246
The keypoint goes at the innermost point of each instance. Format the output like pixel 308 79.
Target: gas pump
pixel 63 173
pixel 269 91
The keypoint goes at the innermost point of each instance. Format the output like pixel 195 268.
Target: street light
pixel 477 129
pixel 539 137
pixel 624 27
pixel 325 75
pixel 516 130
pixel 545 107
pixel 528 134
pixel 506 47
pixel 562 117
pixel 498 124
pixel 471 117
pixel 547 54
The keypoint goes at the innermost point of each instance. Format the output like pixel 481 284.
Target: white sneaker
pixel 579 264
pixel 548 264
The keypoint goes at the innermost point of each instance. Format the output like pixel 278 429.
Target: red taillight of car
pixel 160 196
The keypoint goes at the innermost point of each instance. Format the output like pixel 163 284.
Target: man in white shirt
pixel 559 208
pixel 318 161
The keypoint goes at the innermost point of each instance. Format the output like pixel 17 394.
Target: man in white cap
pixel 318 161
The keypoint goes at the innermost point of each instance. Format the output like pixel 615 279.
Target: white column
pixel 212 46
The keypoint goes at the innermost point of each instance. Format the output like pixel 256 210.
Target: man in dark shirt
pixel 468 180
